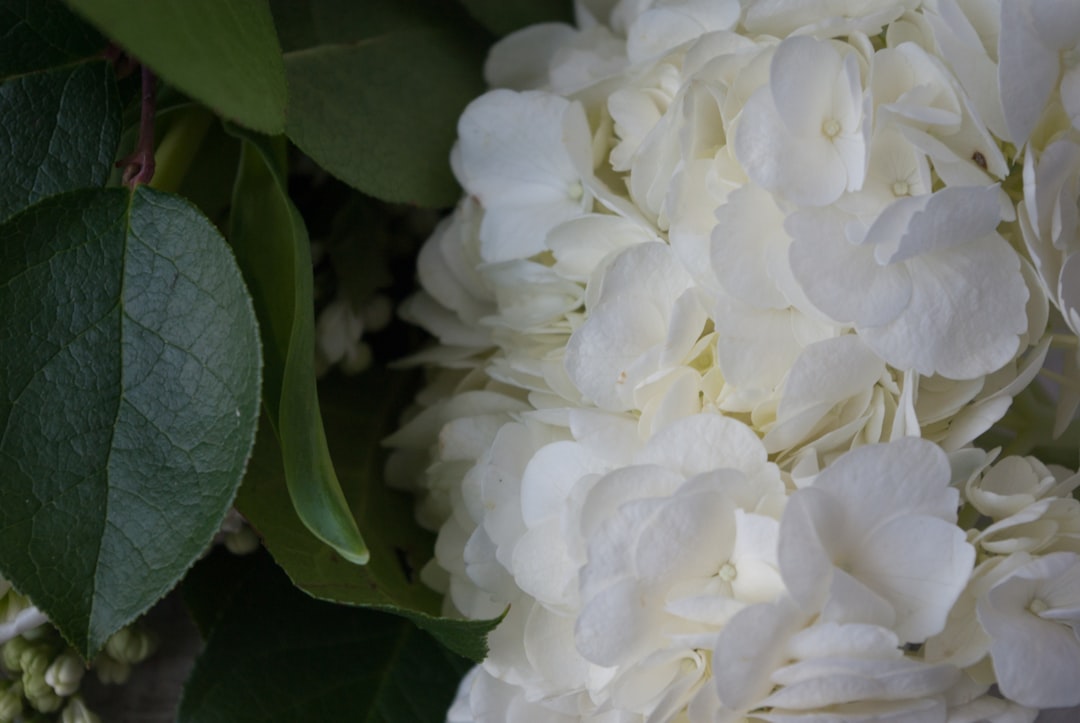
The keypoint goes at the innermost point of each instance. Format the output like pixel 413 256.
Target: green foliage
pixel 223 53
pixel 273 250
pixel 375 92
pixel 357 414
pixel 58 132
pixel 505 16
pixel 130 382
pixel 42 35
pixel 59 106
pixel 278 655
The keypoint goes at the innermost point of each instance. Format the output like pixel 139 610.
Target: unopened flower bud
pixel 129 645
pixel 77 712
pixel 45 702
pixel 12 652
pixel 11 701
pixel 34 685
pixel 110 671
pixel 34 660
pixel 65 674
pixel 242 541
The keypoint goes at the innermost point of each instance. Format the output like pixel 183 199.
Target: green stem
pixel 178 148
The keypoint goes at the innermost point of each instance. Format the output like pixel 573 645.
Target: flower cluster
pixel 734 287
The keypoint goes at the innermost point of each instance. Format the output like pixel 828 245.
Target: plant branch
pixel 139 166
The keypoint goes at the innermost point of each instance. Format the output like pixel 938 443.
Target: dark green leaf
pixel 357 414
pixel 129 392
pixel 279 656
pixel 505 16
pixel 59 131
pixel 223 53
pixel 273 250
pixel 381 114
pixel 316 22
pixel 42 34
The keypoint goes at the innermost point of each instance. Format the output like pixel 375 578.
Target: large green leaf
pixel 381 113
pixel 129 388
pixel 357 414
pixel 223 53
pixel 59 106
pixel 273 250
pixel 277 655
pixel 43 34
pixel 58 132
pixel 314 22
pixel 505 16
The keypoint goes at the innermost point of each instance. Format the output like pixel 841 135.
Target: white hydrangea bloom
pixel 1032 617
pixel 718 267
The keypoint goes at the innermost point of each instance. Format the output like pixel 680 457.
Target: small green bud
pixel 129 645
pixel 11 701
pixel 77 712
pixel 35 660
pixel 65 674
pixel 242 541
pixel 45 702
pixel 34 685
pixel 110 671
pixel 12 652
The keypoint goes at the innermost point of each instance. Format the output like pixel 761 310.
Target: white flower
pixel 805 135
pixel 775 656
pixel 525 157
pixel 938 290
pixel 874 540
pixel 822 18
pixel 1033 618
pixel 1038 53
pixel 646 320
pixel 719 267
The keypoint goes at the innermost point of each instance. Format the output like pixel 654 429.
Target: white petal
pixel 1027 70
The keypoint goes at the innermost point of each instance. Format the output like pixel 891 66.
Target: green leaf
pixel 41 35
pixel 315 22
pixel 357 413
pixel 273 250
pixel 223 53
pixel 505 16
pixel 277 655
pixel 59 131
pixel 381 114
pixel 129 392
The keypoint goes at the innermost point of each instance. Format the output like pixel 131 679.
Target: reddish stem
pixel 139 166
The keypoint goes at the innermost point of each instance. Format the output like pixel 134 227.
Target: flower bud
pixel 110 671
pixel 34 660
pixel 77 712
pixel 46 701
pixel 65 674
pixel 11 653
pixel 11 700
pixel 129 645
pixel 34 685
pixel 242 541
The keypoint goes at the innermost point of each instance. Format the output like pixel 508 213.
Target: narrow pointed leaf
pixel 273 250
pixel 357 413
pixel 128 400
pixel 224 53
